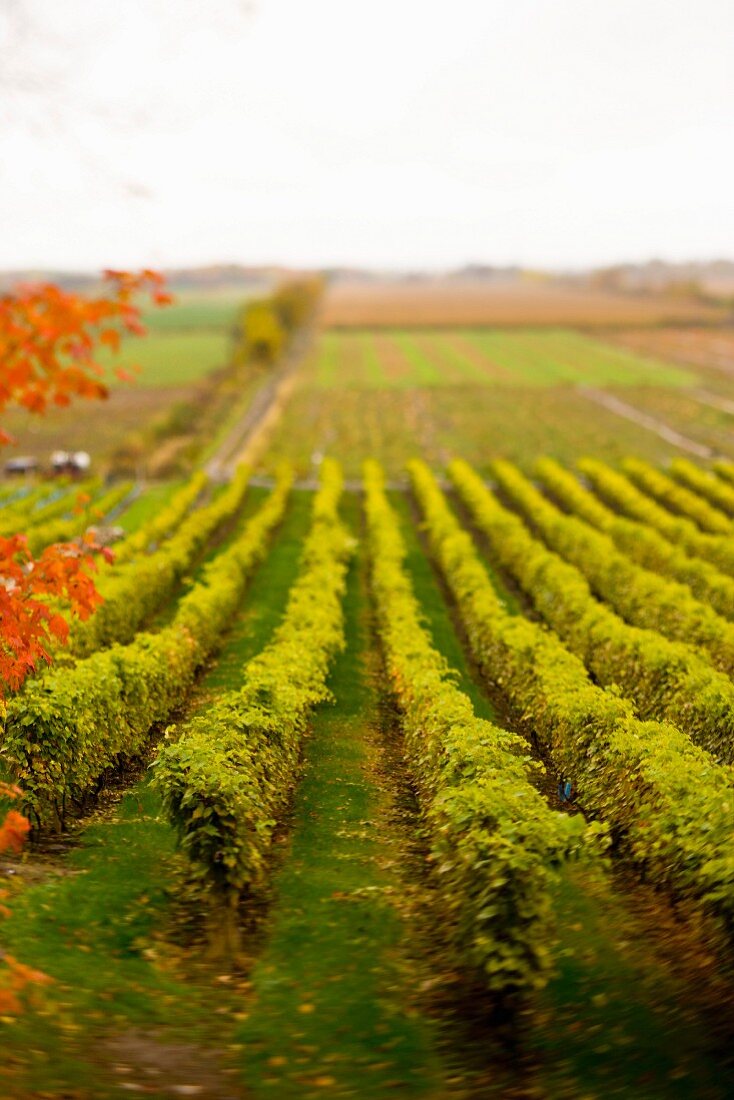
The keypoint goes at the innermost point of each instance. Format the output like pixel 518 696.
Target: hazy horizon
pixel 395 270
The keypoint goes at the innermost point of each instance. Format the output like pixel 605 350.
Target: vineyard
pixel 397 757
pixel 517 393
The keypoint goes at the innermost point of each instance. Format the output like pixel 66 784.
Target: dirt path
pixel 247 438
pixel 651 423
pixel 714 401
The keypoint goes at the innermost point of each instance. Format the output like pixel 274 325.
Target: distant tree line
pixel 268 324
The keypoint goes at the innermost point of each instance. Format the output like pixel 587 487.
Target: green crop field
pixel 414 359
pixel 195 311
pixel 174 358
pixel 185 343
pixel 487 393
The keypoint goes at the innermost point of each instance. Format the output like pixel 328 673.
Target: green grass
pixel 438 619
pixel 195 311
pixel 561 357
pixel 93 930
pixel 393 394
pixel 483 357
pixel 616 1020
pixel 612 1020
pixel 267 595
pixel 332 1007
pixel 169 359
pixel 152 500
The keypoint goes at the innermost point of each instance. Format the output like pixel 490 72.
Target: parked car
pixel 21 465
pixel 73 463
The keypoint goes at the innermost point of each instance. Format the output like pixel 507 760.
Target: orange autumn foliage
pixel 17 976
pixel 49 339
pixel 13 831
pixel 14 975
pixel 49 343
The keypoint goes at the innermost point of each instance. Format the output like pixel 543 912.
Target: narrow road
pixel 245 439
pixel 644 420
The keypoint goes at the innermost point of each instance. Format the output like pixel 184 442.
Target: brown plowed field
pixel 457 303
pixel 712 348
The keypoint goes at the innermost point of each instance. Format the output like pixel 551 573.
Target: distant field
pixel 185 342
pixel 477 392
pixel 442 303
pixel 195 312
pixel 400 359
pixel 711 349
pixel 94 426
pixel 173 358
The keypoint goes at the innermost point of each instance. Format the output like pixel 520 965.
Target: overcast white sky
pixel 385 132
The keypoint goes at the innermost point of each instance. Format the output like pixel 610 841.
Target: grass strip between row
pixel 135 590
pixel 159 526
pixel 668 803
pixel 667 680
pixel 494 840
pixel 618 491
pixel 68 728
pixel 228 776
pixel 639 541
pixel 638 595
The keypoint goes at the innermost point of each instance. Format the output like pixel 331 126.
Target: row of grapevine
pixel 725 470
pixel 68 728
pixel 666 679
pixel 641 543
pixel 668 802
pixel 227 774
pixel 640 596
pixel 618 491
pixel 135 590
pixel 677 498
pixel 63 503
pixel 64 528
pixel 491 832
pixel 704 483
pixel 43 505
pixel 13 492
pixel 161 525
